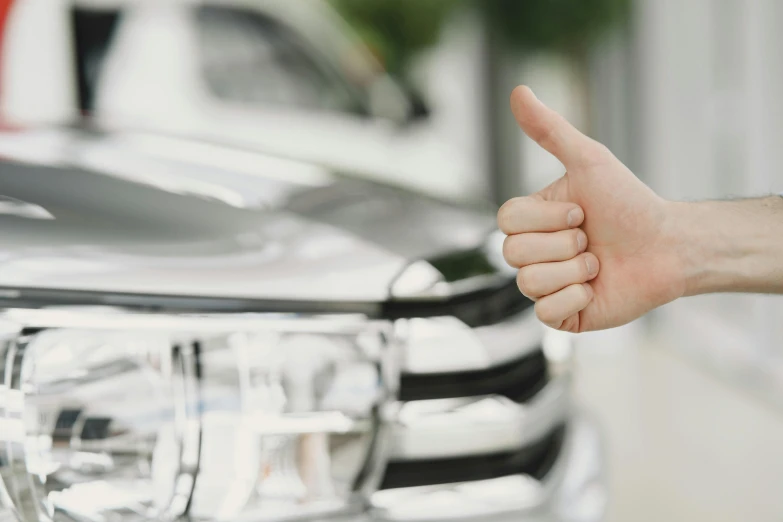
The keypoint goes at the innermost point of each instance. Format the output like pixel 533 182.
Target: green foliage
pixel 552 24
pixel 398 29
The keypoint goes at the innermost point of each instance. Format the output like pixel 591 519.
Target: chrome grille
pixel 477 399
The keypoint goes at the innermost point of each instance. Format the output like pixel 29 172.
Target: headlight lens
pixel 121 417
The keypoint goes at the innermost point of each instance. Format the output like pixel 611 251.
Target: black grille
pixel 63 427
pixel 535 460
pixel 480 308
pixel 96 428
pixel 518 380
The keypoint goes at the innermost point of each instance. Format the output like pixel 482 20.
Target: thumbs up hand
pixel 592 248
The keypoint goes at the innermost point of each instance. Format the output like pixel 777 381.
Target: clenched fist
pixel 595 249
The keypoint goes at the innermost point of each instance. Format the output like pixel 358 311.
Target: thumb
pixel 548 128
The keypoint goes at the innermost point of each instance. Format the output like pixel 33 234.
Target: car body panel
pixel 156 232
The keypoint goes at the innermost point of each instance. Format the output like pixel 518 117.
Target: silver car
pixel 195 330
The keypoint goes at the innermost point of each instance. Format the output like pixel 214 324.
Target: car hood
pixel 117 221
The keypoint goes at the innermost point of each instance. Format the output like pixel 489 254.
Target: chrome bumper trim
pixel 575 490
pixel 444 428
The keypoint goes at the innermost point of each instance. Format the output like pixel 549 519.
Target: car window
pixel 249 58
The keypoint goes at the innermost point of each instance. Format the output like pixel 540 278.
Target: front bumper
pixel 575 490
pixel 484 427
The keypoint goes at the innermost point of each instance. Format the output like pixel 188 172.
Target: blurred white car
pixel 285 77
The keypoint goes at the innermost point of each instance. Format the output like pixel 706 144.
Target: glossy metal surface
pixel 158 216
pixel 108 415
pixel 474 426
pixel 128 220
pixel 445 344
pixel 575 490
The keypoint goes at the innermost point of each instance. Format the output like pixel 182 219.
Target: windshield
pixel 250 58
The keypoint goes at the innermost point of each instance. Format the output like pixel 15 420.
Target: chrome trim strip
pixel 578 468
pixel 445 428
pixel 446 344
pixel 111 319
pixel 513 338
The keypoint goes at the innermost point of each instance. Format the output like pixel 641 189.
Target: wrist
pixel 728 246
pixel 695 245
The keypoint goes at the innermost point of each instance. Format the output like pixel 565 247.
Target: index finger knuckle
pixel 507 215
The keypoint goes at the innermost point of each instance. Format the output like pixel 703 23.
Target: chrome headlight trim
pixel 14 319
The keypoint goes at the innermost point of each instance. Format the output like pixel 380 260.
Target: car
pixel 200 330
pixel 287 78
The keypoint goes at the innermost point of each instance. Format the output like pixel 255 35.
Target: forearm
pixel 730 246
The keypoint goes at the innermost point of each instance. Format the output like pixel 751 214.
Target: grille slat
pixel 535 460
pixel 518 380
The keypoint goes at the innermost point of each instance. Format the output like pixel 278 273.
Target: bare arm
pixel 731 246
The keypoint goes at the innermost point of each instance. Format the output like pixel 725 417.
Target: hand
pixel 593 248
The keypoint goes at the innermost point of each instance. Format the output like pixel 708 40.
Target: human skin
pixel 597 248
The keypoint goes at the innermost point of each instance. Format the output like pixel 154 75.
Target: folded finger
pixel 526 249
pixel 528 214
pixel 543 279
pixel 554 310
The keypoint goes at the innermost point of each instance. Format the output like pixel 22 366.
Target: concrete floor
pixel 683 445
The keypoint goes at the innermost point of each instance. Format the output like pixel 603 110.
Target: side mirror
pixel 389 101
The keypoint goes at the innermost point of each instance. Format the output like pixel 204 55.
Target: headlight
pixel 115 417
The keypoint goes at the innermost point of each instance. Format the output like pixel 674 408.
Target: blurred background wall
pixel 709 82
